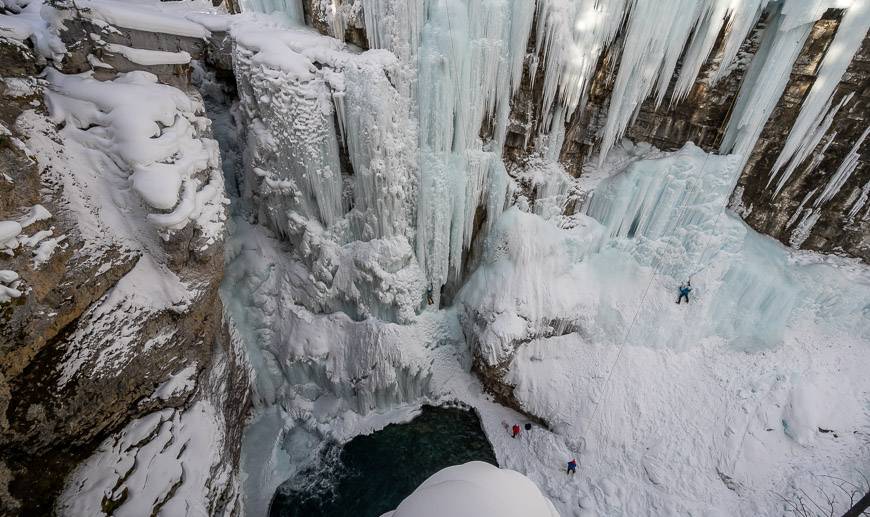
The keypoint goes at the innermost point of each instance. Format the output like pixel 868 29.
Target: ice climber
pixel 429 295
pixel 685 289
pixel 516 431
pixel 572 467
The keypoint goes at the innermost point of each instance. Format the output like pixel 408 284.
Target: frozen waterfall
pixel 645 230
pixel 371 176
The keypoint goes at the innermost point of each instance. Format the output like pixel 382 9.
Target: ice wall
pixel 454 77
pixel 467 73
pixel 611 272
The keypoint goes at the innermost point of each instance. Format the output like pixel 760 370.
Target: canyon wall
pixel 114 328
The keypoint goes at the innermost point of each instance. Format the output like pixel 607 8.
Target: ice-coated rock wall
pixel 476 148
pixel 594 70
pixel 610 273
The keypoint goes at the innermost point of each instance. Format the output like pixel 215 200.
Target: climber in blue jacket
pixel 685 289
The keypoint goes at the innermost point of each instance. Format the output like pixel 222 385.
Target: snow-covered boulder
pixel 473 490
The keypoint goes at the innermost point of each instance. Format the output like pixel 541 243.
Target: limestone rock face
pixel 109 329
pixel 798 216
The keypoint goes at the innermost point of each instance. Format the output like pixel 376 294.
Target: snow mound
pixel 153 132
pixel 475 489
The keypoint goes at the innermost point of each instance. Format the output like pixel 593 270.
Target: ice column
pixel 293 8
pixel 790 24
pixel 467 72
pixel 847 41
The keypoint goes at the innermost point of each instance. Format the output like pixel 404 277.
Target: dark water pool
pixel 371 475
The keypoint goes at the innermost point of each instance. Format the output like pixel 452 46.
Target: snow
pixel 36 23
pixel 148 289
pixel 168 462
pixel 180 383
pixel 19 86
pixel 37 213
pixel 149 57
pixel 152 130
pixel 143 17
pixel 44 251
pixel 8 291
pixel 8 231
pixel 475 489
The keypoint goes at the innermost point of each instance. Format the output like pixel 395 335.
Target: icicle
pixel 467 74
pixel 809 143
pixel 860 202
pixel 572 36
pixel 654 198
pixel 847 41
pixel 844 172
pixel 743 14
pixel 394 25
pixel 703 39
pixel 654 39
pixel 768 74
pixel 292 8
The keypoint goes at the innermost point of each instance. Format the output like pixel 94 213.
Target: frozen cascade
pixel 790 24
pixel 468 72
pixel 435 38
pixel 296 158
pixel 674 196
pixel 291 8
pixel 847 41
pixel 370 173
pixel 658 222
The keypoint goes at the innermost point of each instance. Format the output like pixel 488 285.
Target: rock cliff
pixel 114 327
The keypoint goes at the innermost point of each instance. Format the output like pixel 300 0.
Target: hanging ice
pixel 467 74
pixel 790 24
pixel 650 227
pixel 803 136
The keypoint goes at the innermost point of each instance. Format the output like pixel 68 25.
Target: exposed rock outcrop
pixel 116 321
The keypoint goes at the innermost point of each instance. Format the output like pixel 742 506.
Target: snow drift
pixel 473 490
